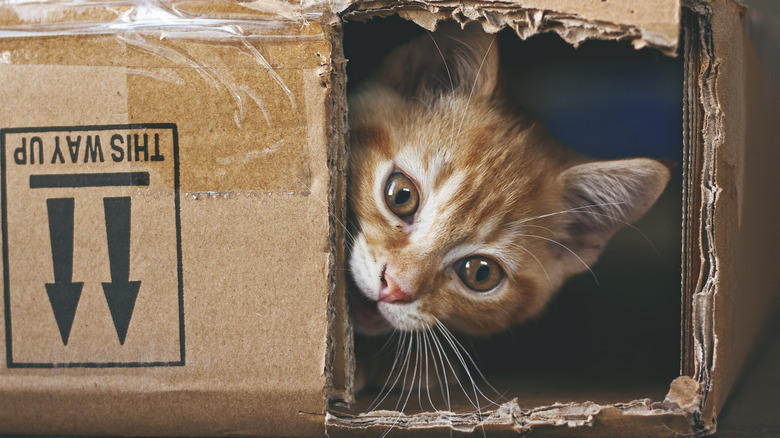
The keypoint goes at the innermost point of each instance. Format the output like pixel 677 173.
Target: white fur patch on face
pixel 433 204
pixel 406 316
pixel 365 270
pixel 435 209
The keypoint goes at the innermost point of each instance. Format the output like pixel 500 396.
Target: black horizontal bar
pixel 132 126
pixel 96 364
pixel 119 179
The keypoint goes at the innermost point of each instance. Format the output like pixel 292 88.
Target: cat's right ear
pixel 602 197
pixel 449 60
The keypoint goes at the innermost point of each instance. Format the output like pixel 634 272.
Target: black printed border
pixel 6 281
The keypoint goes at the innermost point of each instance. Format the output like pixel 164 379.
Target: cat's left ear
pixel 449 60
pixel 602 197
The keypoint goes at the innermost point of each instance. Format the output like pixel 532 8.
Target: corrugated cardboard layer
pixel 341 361
pixel 244 348
pixel 671 417
pixel 739 240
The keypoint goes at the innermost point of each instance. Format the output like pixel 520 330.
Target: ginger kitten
pixel 464 212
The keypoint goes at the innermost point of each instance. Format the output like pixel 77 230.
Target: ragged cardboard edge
pixel 692 263
pixel 572 28
pixel 340 361
pixel 711 125
pixel 682 401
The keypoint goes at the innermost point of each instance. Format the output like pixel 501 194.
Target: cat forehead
pixel 456 206
pixel 424 162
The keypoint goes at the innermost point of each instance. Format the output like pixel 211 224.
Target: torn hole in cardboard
pixel 659 334
pixel 604 22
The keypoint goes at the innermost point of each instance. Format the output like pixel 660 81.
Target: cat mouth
pixel 366 317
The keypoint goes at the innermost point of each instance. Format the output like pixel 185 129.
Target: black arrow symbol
pixel 121 293
pixel 63 293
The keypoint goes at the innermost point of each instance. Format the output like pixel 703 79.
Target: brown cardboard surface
pixel 753 405
pixel 722 138
pixel 228 238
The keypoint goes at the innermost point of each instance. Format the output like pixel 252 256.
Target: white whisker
pixel 419 383
pixel 553 233
pixel 452 84
pixel 401 348
pixel 474 403
pixel 570 210
pixel 407 362
pixel 448 334
pixel 567 249
pixel 474 86
pixel 477 392
pixel 403 387
pixel 389 339
pixel 627 225
pixel 455 373
pixel 541 265
pixel 427 370
pixel 443 386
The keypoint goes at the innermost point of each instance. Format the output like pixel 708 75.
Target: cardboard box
pixel 169 175
pixel 173 210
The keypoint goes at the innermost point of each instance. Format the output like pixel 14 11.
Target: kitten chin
pixel 465 213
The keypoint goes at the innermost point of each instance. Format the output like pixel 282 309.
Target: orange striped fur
pixel 491 182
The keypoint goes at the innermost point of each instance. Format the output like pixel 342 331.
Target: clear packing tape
pixel 247 76
pixel 146 25
pixel 204 19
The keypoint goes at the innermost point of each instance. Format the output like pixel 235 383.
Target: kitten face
pixel 463 212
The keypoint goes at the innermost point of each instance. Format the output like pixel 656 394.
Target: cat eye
pixel 401 195
pixel 479 273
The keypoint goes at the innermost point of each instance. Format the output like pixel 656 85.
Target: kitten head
pixel 464 211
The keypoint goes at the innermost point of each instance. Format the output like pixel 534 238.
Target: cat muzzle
pixel 391 292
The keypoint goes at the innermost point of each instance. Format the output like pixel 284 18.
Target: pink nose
pixel 391 292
